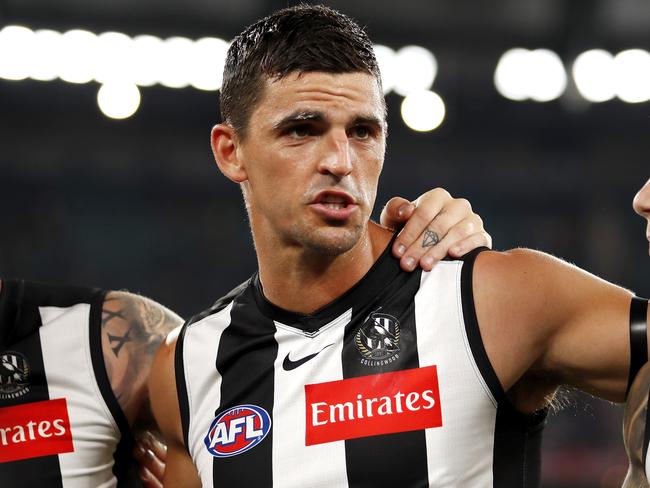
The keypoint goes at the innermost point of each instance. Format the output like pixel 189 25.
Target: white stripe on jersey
pixel 467 404
pixel 203 385
pixel 70 375
pixel 290 454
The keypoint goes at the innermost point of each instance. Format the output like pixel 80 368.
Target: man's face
pixel 641 205
pixel 313 153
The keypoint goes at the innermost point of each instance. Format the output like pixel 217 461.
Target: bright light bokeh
pixel 510 76
pixel 115 58
pixel 538 75
pixel 118 100
pixel 387 66
pixel 77 57
pixel 423 111
pixel 208 59
pixel 175 68
pixel 44 60
pixel 415 70
pixel 632 75
pixel 547 77
pixel 148 56
pixel 16 47
pixel 593 73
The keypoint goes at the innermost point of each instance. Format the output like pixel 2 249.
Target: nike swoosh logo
pixel 288 364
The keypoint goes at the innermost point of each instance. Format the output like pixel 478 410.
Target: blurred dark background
pixel 139 203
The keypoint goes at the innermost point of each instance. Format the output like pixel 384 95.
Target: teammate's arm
pixel 634 425
pixel 180 471
pixel 547 323
pixel 132 329
pixel 437 225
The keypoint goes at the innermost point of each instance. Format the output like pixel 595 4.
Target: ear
pixel 224 142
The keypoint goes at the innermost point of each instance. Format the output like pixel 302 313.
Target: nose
pixel 337 158
pixel 641 201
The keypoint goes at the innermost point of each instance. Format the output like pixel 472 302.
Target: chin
pixel 331 241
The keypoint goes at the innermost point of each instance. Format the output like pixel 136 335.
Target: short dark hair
pixel 303 38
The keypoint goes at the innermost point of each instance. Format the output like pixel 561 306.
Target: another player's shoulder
pixel 143 314
pixel 635 418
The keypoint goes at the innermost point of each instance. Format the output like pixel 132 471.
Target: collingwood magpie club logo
pixel 14 375
pixel 378 339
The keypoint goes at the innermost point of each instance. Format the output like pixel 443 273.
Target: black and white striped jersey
pixel 387 386
pixel 60 424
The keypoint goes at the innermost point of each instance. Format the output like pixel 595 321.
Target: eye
pixel 299 131
pixel 362 132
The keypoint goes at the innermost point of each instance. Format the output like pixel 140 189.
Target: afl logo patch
pixel 14 375
pixel 237 430
pixel 378 339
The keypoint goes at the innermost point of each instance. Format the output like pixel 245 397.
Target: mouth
pixel 334 205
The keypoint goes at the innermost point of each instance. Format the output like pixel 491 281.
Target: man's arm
pixel 180 471
pixel 634 425
pixel 132 329
pixel 545 323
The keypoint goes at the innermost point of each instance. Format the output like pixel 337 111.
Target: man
pixel 73 371
pixel 74 363
pixel 331 366
pixel 636 430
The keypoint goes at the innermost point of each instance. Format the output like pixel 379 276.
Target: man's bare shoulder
pixel 634 426
pixel 133 327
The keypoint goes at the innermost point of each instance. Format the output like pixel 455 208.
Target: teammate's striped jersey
pixel 388 386
pixel 60 424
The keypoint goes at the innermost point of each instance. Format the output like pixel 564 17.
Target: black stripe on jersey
pixel 24 338
pixel 10 299
pixel 398 459
pixel 517 436
pixel 125 469
pixel 646 432
pixel 245 361
pixel 181 386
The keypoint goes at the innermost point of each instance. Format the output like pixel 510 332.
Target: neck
pixel 301 281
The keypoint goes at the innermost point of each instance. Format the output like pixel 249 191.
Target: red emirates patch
pixel 372 405
pixel 34 430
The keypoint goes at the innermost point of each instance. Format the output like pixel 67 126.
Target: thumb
pixel 396 212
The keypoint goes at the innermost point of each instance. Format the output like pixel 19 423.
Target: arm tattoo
pixel 120 340
pixel 430 238
pixel 634 429
pixel 132 327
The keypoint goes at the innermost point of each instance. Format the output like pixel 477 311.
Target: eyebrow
pixel 317 116
pixel 299 116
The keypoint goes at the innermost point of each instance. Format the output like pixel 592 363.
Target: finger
pixel 455 214
pixel 157 447
pixel 151 457
pixel 407 240
pixel 395 212
pixel 148 479
pixel 482 239
pixel 459 233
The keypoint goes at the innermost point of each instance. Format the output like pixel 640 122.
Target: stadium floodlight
pixel 206 75
pixel 593 73
pixel 423 111
pixel 77 59
pixel 16 48
pixel 632 75
pixel 537 75
pixel 415 70
pixel 387 66
pixel 118 100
